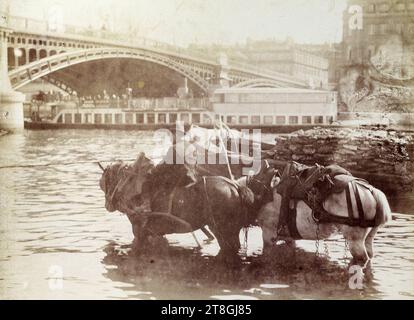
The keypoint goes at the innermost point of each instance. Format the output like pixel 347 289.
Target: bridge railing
pixel 43 27
pixel 107 37
pixel 38 26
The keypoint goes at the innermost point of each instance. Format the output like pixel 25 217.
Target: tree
pixel 39 99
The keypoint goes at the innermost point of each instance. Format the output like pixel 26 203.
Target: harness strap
pixel 171 200
pixel 326 217
pixel 359 204
pixel 349 202
pixel 207 196
pixel 291 221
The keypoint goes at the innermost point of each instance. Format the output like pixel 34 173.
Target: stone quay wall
pixel 384 158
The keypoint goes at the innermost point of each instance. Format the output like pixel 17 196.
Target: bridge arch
pixel 32 55
pixel 43 67
pixel 258 83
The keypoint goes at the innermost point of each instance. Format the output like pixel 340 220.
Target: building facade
pixel 290 58
pixel 274 106
pixel 285 57
pixel 332 52
pixel 384 24
pixel 377 65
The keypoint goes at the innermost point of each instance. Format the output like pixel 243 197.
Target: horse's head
pixel 308 176
pixel 108 183
pixel 261 183
pixel 298 178
pixel 123 184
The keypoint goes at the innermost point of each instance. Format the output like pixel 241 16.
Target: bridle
pixel 110 175
pixel 310 194
pixel 318 170
pixel 251 179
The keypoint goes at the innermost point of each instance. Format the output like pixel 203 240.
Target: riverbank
pixel 280 129
pixel 150 127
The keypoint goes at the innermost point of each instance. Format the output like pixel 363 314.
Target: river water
pixel 58 241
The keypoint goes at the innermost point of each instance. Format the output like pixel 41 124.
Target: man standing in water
pixel 182 158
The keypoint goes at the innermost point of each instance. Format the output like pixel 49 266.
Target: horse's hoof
pixel 362 262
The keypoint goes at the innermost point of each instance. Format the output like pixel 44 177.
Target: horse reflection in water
pixel 157 204
pixel 177 272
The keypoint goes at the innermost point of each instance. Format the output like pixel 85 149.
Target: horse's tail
pixel 383 211
pixel 247 201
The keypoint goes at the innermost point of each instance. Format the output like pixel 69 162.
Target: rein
pixel 310 197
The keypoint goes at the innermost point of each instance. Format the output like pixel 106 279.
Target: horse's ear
pixel 141 156
pixel 277 173
pixel 140 159
pixel 100 166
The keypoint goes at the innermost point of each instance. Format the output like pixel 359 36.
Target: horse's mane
pixel 164 176
pixel 122 182
pixel 110 177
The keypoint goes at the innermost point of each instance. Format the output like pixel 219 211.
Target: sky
pixel 182 22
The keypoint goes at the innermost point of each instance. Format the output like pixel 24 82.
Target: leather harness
pixel 322 216
pixel 319 214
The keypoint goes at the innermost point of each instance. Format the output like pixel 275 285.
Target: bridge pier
pixel 11 102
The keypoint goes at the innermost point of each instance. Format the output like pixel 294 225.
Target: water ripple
pixel 53 220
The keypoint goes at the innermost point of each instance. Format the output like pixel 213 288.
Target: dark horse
pixel 156 203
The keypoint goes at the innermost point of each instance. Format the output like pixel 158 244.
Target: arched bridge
pixel 46 66
pixel 35 51
pixel 258 82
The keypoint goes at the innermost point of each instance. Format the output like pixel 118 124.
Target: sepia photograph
pixel 183 150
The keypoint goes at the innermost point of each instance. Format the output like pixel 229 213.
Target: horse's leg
pixel 136 230
pixel 141 236
pixel 207 233
pixel 356 240
pixel 228 241
pixel 234 240
pixel 268 219
pixel 291 243
pixel 269 237
pixel 369 242
pixel 140 239
pixel 358 251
